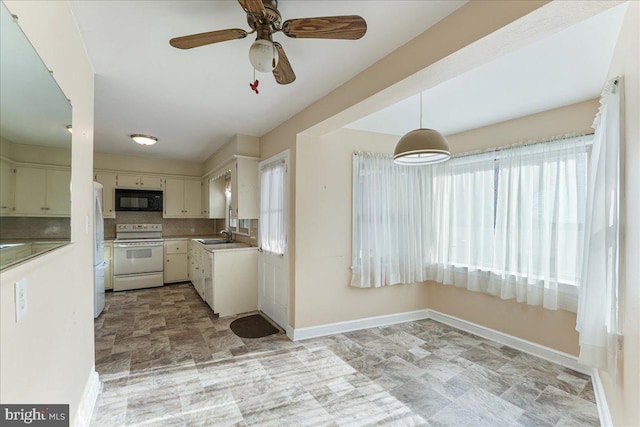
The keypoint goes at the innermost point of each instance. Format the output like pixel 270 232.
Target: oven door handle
pixel 133 245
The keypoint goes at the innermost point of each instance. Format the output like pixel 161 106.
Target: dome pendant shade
pixel 263 56
pixel 421 147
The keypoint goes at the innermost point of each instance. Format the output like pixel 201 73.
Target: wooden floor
pixel 165 359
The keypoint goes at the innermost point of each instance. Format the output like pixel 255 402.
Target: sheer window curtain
pixel 272 235
pixel 540 214
pixel 598 316
pixel 390 237
pixel 462 221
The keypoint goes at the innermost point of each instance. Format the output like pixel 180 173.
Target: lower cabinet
pixel 176 263
pixel 196 267
pixel 108 271
pixel 235 281
pixel 226 279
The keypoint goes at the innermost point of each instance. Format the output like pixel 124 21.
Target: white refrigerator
pixel 99 264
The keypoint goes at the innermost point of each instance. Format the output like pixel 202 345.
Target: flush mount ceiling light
pixel 69 129
pixel 263 55
pixel 144 139
pixel 421 146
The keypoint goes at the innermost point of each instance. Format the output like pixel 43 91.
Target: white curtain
pixel 540 213
pixel 272 233
pixel 598 317
pixel 390 239
pixel 508 223
pixel 462 222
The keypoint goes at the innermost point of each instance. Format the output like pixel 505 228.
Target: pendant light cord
pixel 420 109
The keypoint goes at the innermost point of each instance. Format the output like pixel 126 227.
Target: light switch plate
pixel 21 299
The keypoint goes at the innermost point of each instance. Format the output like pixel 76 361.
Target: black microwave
pixel 138 200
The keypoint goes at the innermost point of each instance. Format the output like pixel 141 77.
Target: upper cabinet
pixel 205 198
pixel 244 189
pixel 182 198
pixel 7 187
pixel 217 197
pixel 108 181
pixel 42 191
pixel 146 182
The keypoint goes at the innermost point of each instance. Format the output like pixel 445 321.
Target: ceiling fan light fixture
pixel 263 55
pixel 421 147
pixel 144 139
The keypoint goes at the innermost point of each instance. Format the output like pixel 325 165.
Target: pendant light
pixel 421 146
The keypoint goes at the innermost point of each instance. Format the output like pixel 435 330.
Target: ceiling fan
pixel 264 19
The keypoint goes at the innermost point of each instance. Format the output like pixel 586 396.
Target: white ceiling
pixel 195 100
pixel 567 67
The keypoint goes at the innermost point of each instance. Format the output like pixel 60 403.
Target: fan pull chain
pixel 254 85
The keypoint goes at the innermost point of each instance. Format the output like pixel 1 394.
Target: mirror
pixel 35 151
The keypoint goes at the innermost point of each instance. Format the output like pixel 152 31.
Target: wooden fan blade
pixel 254 7
pixel 283 72
pixel 202 39
pixel 351 27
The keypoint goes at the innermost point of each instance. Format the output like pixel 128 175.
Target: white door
pixel 273 258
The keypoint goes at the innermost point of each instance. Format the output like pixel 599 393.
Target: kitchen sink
pixel 211 241
pixel 227 245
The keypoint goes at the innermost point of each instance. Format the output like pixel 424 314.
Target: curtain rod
pixel 522 144
pixel 494 149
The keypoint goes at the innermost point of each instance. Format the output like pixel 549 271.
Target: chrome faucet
pixel 227 232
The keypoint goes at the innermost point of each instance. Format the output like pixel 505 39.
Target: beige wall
pixel 323 238
pixel 462 28
pixel 242 145
pixel 146 165
pixel 624 397
pixel 49 357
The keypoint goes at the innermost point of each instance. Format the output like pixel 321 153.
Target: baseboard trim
pixel 298 334
pixel 289 331
pixel 555 356
pixel 88 403
pixel 601 400
pixel 525 346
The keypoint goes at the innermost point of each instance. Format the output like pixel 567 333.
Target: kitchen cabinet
pixel 108 271
pixel 7 187
pixel 108 181
pixel 244 189
pixel 217 198
pixel 196 274
pixel 226 279
pixel 205 198
pixel 41 191
pixel 182 198
pixel 235 281
pixel 176 263
pixel 139 182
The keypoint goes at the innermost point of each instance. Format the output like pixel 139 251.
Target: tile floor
pixel 164 359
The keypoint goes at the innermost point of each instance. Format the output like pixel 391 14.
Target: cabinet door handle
pixel 168 260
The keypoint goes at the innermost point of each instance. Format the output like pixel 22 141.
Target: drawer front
pixel 176 246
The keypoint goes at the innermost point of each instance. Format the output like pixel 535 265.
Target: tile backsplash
pixel 15 228
pixel 170 226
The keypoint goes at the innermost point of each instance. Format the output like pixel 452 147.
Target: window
pixel 272 233
pixel 508 223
